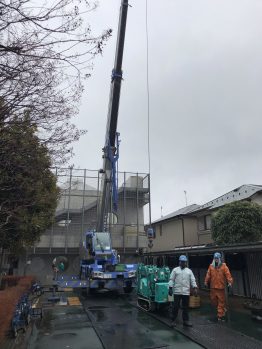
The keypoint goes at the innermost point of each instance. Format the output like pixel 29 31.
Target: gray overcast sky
pixel 205 61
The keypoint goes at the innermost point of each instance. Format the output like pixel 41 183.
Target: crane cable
pixel 148 107
pixel 148 93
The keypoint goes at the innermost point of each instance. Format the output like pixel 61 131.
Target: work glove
pixel 170 291
pixel 195 291
pixel 229 289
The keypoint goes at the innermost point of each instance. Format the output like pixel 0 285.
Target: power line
pixel 148 109
pixel 148 92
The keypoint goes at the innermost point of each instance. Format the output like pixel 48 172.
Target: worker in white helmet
pixel 181 280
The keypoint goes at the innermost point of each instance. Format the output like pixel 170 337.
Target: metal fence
pixel 76 212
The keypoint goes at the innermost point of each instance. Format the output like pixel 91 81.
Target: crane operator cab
pixel 98 251
pixel 102 242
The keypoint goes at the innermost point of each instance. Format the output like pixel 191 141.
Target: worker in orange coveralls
pixel 218 277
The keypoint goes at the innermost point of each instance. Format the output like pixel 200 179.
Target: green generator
pixel 152 286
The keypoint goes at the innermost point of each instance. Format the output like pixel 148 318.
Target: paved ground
pixel 239 332
pixel 121 325
pixel 114 319
pixel 104 321
pixel 238 320
pixel 114 322
pixel 210 334
pixel 64 327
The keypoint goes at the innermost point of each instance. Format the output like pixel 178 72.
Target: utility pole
pixel 185 196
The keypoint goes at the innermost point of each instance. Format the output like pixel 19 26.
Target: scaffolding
pixel 76 212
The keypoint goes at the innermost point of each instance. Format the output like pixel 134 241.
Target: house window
pixel 208 222
pixel 204 223
pixel 201 223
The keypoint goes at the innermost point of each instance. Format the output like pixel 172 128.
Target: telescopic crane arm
pixel 110 150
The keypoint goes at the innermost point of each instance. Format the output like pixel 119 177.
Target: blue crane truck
pixel 100 267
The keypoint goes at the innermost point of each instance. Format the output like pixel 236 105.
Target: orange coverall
pixel 217 277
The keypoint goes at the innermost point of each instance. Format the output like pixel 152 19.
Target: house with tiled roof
pixel 191 225
pixel 246 192
pixel 188 231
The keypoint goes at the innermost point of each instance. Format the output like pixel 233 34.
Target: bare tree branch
pixel 45 53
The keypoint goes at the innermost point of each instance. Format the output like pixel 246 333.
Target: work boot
pixel 187 324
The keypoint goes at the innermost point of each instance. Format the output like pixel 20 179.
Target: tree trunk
pixel 1 264
pixel 2 259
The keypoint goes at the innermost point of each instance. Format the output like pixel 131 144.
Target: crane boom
pixel 99 263
pixel 110 150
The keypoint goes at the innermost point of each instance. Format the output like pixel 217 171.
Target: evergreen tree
pixel 28 191
pixel 237 222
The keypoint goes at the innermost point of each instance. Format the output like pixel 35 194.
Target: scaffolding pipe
pixel 124 230
pixel 68 209
pixel 137 212
pixel 83 207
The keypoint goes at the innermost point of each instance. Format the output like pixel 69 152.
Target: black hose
pixel 94 327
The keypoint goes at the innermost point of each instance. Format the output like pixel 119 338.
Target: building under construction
pixel 76 214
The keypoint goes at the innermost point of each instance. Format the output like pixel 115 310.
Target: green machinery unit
pixel 152 286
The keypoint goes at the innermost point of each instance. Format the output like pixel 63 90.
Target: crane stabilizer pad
pixel 73 301
pixel 68 289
